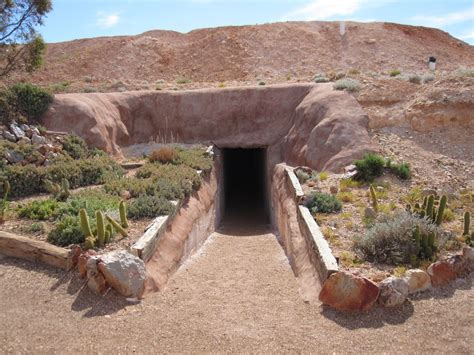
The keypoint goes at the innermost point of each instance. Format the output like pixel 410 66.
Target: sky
pixel 73 19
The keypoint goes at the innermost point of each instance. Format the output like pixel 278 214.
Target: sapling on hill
pixel 373 197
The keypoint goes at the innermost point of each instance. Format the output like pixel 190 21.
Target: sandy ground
pixel 237 294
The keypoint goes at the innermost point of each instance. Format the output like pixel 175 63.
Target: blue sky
pixel 72 19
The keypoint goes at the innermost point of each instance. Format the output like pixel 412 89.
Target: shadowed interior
pixel 245 196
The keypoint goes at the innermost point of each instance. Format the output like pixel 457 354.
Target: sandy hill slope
pixel 271 51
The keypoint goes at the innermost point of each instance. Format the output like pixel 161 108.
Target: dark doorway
pixel 245 190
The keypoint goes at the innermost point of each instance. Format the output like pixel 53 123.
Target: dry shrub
pixel 164 155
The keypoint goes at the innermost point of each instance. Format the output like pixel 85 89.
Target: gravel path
pixel 237 294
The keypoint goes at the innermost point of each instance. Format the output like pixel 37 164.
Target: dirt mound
pixel 326 129
pixel 271 51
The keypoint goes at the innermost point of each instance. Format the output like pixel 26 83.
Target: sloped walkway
pixel 238 294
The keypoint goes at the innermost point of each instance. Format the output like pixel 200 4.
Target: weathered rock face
pixel 124 272
pixel 393 292
pixel 326 129
pixel 347 292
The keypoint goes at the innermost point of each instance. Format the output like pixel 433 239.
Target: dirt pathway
pixel 237 294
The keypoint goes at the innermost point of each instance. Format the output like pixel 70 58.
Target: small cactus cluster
pixel 426 246
pixel 60 192
pixel 469 237
pixel 105 227
pixel 429 210
pixel 3 201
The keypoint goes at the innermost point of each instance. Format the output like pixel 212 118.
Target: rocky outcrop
pixel 314 124
pixel 346 292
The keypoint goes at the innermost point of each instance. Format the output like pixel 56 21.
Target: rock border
pixel 345 291
pixel 320 253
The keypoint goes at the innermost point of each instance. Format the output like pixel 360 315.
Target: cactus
pixel 441 209
pixel 123 214
pixel 100 229
pixel 425 202
pixel 85 225
pixel 467 223
pixel 89 243
pixel 428 252
pixel 117 226
pixel 431 241
pixel 424 241
pixel 107 236
pixel 3 201
pixel 373 197
pixel 417 237
pixel 429 207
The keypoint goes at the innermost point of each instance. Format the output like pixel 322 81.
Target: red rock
pixel 441 272
pixel 82 261
pixel 347 292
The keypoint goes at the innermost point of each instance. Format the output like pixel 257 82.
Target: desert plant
pixel 395 72
pixel 373 197
pixel 99 217
pixel 414 78
pixel 75 147
pixel 85 224
pixel 116 225
pixel 347 84
pixel 4 202
pixel 150 206
pixel 398 239
pixel 441 208
pixel 401 170
pixel 466 223
pixel 39 210
pixel 164 155
pixel 66 232
pixel 60 192
pixel 321 79
pixel 27 102
pixel 324 175
pixel 123 214
pixel 427 78
pixel 320 202
pixel 302 176
pixel 465 72
pixel 369 167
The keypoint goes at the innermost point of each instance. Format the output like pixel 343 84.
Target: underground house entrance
pixel 245 201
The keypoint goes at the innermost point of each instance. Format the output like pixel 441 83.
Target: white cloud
pixel 107 20
pixel 325 9
pixel 467 35
pixel 446 19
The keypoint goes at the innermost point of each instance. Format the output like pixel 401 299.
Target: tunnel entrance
pixel 245 198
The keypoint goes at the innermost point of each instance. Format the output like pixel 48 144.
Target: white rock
pixel 17 131
pixel 37 139
pixel 393 291
pixel 418 280
pixel 124 272
pixel 9 136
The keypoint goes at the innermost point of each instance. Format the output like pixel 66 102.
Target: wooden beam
pixel 34 250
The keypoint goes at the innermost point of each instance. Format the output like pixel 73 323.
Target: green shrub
pixel 323 203
pixel 395 72
pixel 39 210
pixel 66 232
pixel 321 79
pixel 401 170
pixel 30 101
pixel 391 239
pixel 75 147
pixel 302 176
pixel 347 84
pixel 149 206
pixel 195 158
pixel 135 187
pixel 91 200
pixel 37 227
pixel 369 167
pixel 187 177
pixel 28 179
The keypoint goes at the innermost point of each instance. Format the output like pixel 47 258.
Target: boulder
pixel 346 292
pixel 17 131
pixel 13 156
pixel 37 139
pixel 418 280
pixel 393 291
pixel 9 136
pixel 82 262
pixel 95 280
pixel 441 272
pixel 124 272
